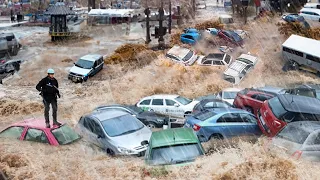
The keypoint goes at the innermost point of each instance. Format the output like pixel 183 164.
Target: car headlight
pixel 125 150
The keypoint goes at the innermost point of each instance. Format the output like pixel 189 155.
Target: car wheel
pixel 110 152
pixel 249 109
pixel 151 125
pixel 216 136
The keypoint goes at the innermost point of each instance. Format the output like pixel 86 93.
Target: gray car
pixel 300 139
pixel 115 131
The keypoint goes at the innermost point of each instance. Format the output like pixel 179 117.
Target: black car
pixel 314 87
pixel 150 119
pixel 9 66
pixel 208 104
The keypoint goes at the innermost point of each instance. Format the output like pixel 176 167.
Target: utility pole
pixel 245 4
pixel 170 17
pixel 179 15
pixel 147 13
pixel 281 9
pixel 161 33
pixel 193 9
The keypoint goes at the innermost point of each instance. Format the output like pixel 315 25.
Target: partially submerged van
pixel 302 53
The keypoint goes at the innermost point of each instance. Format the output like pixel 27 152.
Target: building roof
pixel 59 10
pixel 91 57
pixel 303 44
pixel 300 104
pixel 174 136
pixel 112 12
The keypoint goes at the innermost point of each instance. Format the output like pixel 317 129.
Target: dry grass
pixel 297 28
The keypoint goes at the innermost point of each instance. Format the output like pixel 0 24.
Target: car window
pixel 218 63
pixel 12 132
pixel 170 102
pixel 92 126
pixel 221 105
pixel 65 135
pixel 247 118
pixel 36 135
pixel 230 118
pixel 294 134
pixel 95 63
pixel 230 79
pixel 157 102
pixel 188 37
pixel 207 62
pixel 145 102
pixel 209 105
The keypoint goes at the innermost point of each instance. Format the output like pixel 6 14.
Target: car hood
pixel 80 71
pixel 191 105
pixel 133 140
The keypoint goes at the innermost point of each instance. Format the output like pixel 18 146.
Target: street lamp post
pixel 147 13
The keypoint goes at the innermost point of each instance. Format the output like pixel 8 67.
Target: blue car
pixel 190 38
pixel 293 18
pixel 222 123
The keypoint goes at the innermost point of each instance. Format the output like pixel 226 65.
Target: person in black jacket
pixel 48 88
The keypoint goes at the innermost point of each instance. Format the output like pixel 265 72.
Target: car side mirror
pixel 144 143
pixel 176 105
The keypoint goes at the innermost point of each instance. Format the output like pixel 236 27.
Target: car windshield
pixel 121 125
pixel 229 78
pixel 202 116
pixel 244 60
pixel 84 64
pixel 188 56
pixel 175 154
pixel 65 135
pixel 227 59
pixel 135 109
pixel 183 100
pixel 294 134
pixel 276 107
pixel 229 95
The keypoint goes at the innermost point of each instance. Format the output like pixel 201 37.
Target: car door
pixel 250 124
pixel 101 139
pixel 170 107
pixel 157 105
pixel 14 132
pixel 36 135
pixel 90 132
pixel 145 104
pixel 230 124
pixel 100 64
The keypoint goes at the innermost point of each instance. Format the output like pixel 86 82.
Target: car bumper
pixel 75 78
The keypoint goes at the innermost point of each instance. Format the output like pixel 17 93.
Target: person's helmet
pixel 50 71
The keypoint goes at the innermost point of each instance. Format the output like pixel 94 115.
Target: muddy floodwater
pixel 118 84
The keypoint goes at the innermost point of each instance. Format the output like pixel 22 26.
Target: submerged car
pixel 150 119
pixel 283 109
pixel 215 59
pixel 222 123
pixel 115 131
pixel 173 146
pixel 87 66
pixel 10 66
pixel 35 130
pixel 231 36
pixel 239 68
pixel 300 139
pixel 228 94
pixel 190 38
pixel 171 105
pixel 293 18
pixel 208 104
pixel 182 55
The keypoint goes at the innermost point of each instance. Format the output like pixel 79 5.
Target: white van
pixel 183 55
pixel 310 13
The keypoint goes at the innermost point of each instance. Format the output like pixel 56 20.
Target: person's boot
pixel 56 123
pixel 48 125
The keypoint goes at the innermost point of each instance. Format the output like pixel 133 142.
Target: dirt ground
pixel 19 100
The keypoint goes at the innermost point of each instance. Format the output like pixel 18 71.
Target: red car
pixel 35 130
pixel 251 99
pixel 231 37
pixel 286 108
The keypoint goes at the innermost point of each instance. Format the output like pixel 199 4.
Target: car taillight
pixel 196 127
pixel 297 153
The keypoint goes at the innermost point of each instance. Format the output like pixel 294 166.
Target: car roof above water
pixel 108 114
pixel 91 57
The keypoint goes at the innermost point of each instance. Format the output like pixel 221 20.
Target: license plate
pixel 262 121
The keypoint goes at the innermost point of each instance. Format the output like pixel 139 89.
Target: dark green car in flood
pixel 173 146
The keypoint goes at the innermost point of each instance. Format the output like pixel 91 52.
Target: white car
pixel 310 13
pixel 215 59
pixel 172 105
pixel 239 68
pixel 182 55
pixel 228 94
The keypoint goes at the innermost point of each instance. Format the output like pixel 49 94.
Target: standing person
pixel 48 88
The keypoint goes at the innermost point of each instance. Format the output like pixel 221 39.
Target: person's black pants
pixel 54 106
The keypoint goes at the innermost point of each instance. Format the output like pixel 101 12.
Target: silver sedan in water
pixel 115 131
pixel 300 139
